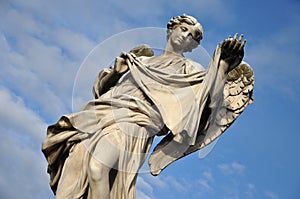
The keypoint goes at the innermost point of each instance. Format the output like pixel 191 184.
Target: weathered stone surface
pixel 98 151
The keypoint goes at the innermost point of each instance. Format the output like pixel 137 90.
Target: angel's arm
pixel 106 79
pixel 109 77
pixel 231 55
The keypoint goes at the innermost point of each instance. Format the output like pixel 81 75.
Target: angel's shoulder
pixel 193 66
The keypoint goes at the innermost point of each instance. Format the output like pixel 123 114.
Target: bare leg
pixel 104 158
pixel 98 175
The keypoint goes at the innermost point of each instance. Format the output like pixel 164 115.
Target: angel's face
pixel 185 37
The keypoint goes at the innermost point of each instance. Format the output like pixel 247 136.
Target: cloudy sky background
pixel 43 44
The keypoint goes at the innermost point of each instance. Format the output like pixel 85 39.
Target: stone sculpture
pixel 98 151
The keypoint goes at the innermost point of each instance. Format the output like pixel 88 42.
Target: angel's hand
pixel 120 65
pixel 232 51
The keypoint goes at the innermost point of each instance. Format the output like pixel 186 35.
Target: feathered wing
pixel 237 94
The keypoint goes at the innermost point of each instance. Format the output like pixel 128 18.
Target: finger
pixel 241 37
pixel 237 45
pixel 225 43
pixel 235 36
pixel 123 54
pixel 238 42
pixel 242 45
pixel 232 42
pixel 222 44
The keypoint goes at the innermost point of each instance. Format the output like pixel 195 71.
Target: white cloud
pixel 250 186
pixel 206 183
pixel 16 117
pixel 239 168
pixel 219 11
pixel 40 61
pixel 233 168
pixel 180 186
pixel 250 192
pixel 41 58
pixel 22 170
pixel 271 195
pixel 142 195
pixel 75 44
pixel 156 181
pixel 135 8
pixel 208 175
pixel 23 167
pixel 143 185
pixel 165 182
pixel 45 55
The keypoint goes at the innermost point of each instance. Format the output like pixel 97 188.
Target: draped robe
pixel 157 92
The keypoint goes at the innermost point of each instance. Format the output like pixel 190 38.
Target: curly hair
pixel 175 21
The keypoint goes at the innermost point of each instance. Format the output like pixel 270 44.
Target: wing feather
pixel 238 94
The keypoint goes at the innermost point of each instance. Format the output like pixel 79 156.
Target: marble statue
pixel 98 151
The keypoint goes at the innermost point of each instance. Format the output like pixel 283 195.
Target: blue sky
pixel 43 44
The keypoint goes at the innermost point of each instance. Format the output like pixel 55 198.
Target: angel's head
pixel 184 32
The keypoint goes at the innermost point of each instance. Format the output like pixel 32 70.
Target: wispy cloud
pixel 181 186
pixel 40 61
pixel 274 57
pixel 156 181
pixel 208 175
pixel 206 182
pixel 251 191
pixel 167 184
pixel 23 166
pixel 144 186
pixel 205 187
pixel 16 117
pixel 233 168
pixel 219 11
pixel 141 195
pixel 271 195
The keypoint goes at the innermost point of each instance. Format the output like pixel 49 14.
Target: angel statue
pixel 98 151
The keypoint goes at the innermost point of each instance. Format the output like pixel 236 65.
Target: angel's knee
pixel 97 171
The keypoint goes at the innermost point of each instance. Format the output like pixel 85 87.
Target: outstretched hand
pixel 232 51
